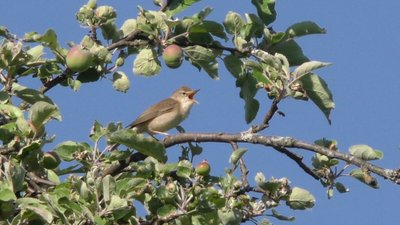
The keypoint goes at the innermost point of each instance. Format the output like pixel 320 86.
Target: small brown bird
pixel 167 114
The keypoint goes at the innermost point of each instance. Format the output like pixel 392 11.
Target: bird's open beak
pixel 191 95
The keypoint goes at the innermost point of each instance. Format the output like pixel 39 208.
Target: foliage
pixel 106 187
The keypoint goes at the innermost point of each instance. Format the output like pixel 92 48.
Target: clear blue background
pixel 362 43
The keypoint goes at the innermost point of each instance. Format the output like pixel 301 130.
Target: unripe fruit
pixel 173 56
pixel 79 59
pixel 203 168
pixel 51 160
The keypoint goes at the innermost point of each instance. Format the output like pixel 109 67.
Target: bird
pixel 166 114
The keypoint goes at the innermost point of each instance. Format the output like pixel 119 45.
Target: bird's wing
pixel 164 106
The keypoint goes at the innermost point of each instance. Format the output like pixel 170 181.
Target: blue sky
pixel 362 42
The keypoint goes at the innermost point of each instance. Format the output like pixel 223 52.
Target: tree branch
pixel 122 164
pixel 281 142
pixel 126 41
pixel 271 112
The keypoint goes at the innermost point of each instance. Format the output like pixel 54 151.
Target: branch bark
pixel 281 142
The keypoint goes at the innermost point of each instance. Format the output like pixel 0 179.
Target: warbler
pixel 167 114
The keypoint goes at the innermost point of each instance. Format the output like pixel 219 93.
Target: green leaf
pixel 68 149
pixel 30 95
pixel 41 211
pixel 203 58
pixel 254 26
pixel 36 206
pixel 200 16
pixel 53 177
pixel 36 53
pixel 199 35
pixel 50 38
pixel 108 188
pixel 110 31
pixel 365 152
pixel 234 65
pixel 166 168
pixel 31 147
pixel 304 28
pixel 236 156
pixel 265 10
pixel 184 169
pixel 233 22
pixel 365 177
pixel 322 161
pixel 4 97
pixel 15 175
pixel 282 217
pixel 215 29
pixel 121 81
pixel 291 50
pixel 300 199
pixel 11 111
pixel 248 90
pixel 41 112
pixel 341 188
pixel 260 180
pixel 75 85
pixel 230 216
pixel 97 131
pixel 128 26
pixel 176 6
pixel 272 186
pixel 89 75
pixel 145 145
pixel 6 194
pixel 128 186
pixel 207 216
pixel 146 63
pixel 166 211
pixel 195 149
pixel 318 91
pixel 120 208
pixel 331 144
pixel 267 58
pixel 308 67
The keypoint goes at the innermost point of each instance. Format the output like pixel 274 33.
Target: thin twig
pixel 298 160
pixel 270 114
pixel 122 164
pixel 243 168
pixel 37 179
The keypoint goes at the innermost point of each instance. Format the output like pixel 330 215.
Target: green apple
pixel 203 168
pixel 51 160
pixel 79 58
pixel 173 56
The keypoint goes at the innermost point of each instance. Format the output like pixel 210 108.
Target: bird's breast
pixel 170 119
